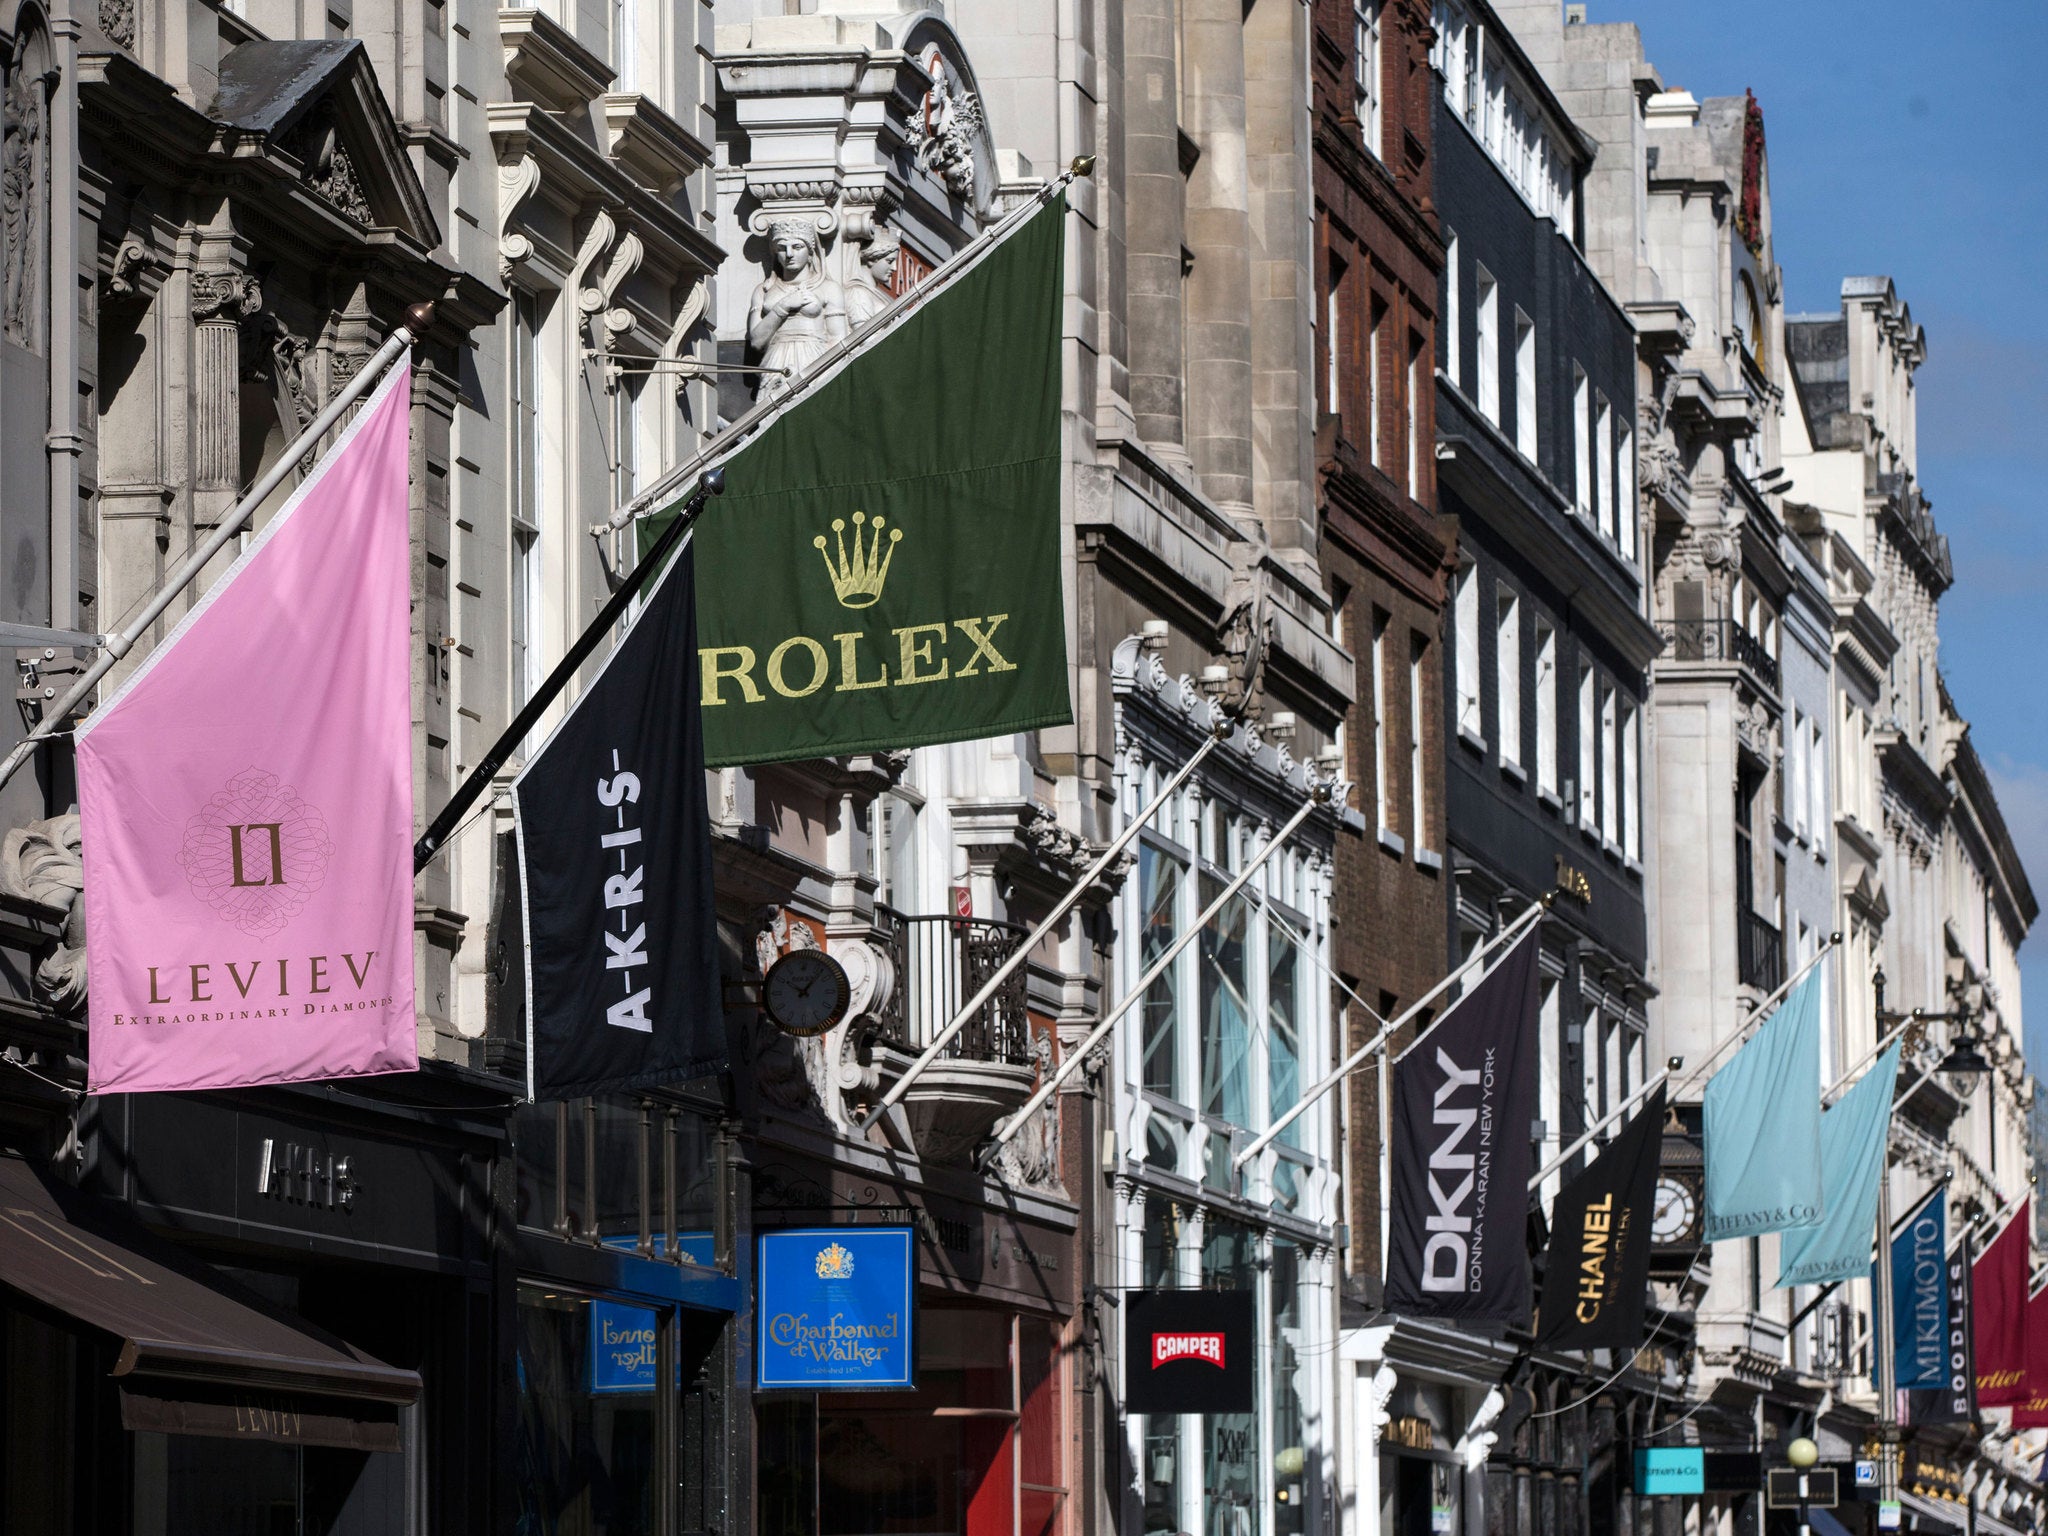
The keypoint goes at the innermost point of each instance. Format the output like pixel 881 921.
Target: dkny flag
pixel 885 567
pixel 622 986
pixel 1596 1275
pixel 1464 1097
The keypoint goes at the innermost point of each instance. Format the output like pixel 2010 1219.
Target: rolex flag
pixel 1854 1138
pixel 1464 1096
pixel 1761 1119
pixel 885 568
pixel 1998 1287
pixel 245 802
pixel 1596 1275
pixel 622 979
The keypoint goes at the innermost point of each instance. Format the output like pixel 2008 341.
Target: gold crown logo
pixel 834 1263
pixel 857 583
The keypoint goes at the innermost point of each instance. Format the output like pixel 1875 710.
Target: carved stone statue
pixel 867 291
pixel 21 191
pixel 943 133
pixel 40 862
pixel 798 312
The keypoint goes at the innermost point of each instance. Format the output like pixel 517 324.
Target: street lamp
pixel 1802 1453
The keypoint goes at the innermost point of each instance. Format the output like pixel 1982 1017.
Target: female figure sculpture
pixel 797 312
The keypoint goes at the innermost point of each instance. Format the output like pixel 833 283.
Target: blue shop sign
pixel 835 1308
pixel 1668 1470
pixel 622 1347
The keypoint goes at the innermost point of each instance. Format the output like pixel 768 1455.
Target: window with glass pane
pixel 1284 1390
pixel 1230 1441
pixel 1160 876
pixel 1226 1017
pixel 1283 1029
pixel 587 1460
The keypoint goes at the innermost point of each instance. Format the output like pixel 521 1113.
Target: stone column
pixel 221 300
pixel 1219 292
pixel 1154 230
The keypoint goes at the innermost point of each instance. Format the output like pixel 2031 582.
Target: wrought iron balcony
pixel 1760 950
pixel 1719 640
pixel 940 963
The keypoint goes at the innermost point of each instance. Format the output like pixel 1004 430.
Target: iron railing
pixel 1719 640
pixel 940 963
pixel 1760 950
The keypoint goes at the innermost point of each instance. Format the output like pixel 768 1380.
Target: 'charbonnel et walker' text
pixel 257 988
pixel 834 1341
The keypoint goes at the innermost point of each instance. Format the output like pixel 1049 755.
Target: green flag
pixel 884 567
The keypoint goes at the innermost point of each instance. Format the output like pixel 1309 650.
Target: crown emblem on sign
pixel 857 582
pixel 834 1263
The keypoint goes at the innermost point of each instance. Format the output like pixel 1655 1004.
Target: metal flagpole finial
pixel 419 319
pixel 1082 165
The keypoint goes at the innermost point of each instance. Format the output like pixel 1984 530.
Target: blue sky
pixel 1906 140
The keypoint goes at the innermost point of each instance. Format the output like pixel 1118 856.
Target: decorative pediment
pixel 316 106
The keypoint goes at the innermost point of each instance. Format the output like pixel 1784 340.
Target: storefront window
pixel 587 1461
pixel 976 1449
pixel 1283 1030
pixel 1230 1448
pixel 254 1488
pixel 1225 1014
pixel 1283 1391
pixel 1159 879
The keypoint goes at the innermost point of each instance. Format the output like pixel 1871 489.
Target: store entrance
pixel 974 1451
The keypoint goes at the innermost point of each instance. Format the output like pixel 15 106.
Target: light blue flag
pixel 1854 1137
pixel 1761 1120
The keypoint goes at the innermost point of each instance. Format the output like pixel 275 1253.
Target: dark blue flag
pixel 1920 1297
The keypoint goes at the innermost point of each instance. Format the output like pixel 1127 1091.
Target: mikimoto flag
pixel 622 980
pixel 884 569
pixel 245 800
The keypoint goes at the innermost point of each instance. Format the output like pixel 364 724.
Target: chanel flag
pixel 1597 1272
pixel 622 987
pixel 885 567
pixel 1464 1096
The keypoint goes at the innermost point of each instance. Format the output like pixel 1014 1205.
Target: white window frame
pixel 1545 683
pixel 526 477
pixel 1368 62
pixel 1465 618
pixel 1486 343
pixel 1382 801
pixel 1632 781
pixel 1453 350
pixel 1525 385
pixel 1507 672
pixel 1625 476
pixel 1418 806
pixel 1588 727
pixel 1582 447
pixel 1605 508
pixel 1610 758
pixel 1418 385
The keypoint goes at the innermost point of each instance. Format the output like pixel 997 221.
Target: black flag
pixel 622 981
pixel 1464 1098
pixel 1954 1402
pixel 1597 1271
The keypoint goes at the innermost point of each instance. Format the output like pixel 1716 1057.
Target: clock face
pixel 1676 1212
pixel 805 992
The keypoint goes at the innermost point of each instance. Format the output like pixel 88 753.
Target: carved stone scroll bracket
pixel 597 298
pixel 518 180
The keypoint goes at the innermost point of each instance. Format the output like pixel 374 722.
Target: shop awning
pixel 195 1358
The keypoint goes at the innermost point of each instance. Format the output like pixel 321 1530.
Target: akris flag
pixel 1464 1096
pixel 1596 1272
pixel 245 801
pixel 622 987
pixel 884 569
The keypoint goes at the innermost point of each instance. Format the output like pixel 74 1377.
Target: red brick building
pixel 1386 556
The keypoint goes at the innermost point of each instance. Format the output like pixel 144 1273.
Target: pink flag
pixel 246 803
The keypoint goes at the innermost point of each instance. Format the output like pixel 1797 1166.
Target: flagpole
pixel 1757 1014
pixel 957 266
pixel 1220 728
pixel 1608 1119
pixel 115 646
pixel 1072 1061
pixel 1350 1064
pixel 1846 1081
pixel 435 838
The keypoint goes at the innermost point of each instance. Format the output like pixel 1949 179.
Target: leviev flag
pixel 1464 1098
pixel 1761 1124
pixel 622 981
pixel 1998 1286
pixel 884 569
pixel 1855 1136
pixel 245 801
pixel 1596 1272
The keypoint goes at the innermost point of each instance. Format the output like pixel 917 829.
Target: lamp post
pixel 1802 1453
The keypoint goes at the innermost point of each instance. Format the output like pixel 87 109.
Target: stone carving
pixel 797 312
pixel 1044 835
pixel 1032 1156
pixel 23 191
pixel 870 976
pixel 943 132
pixel 326 166
pixel 117 20
pixel 867 292
pixel 790 1073
pixel 40 862
pixel 676 347
pixel 596 299
pixel 517 182
pixel 124 270
pixel 1477 1443
pixel 227 296
pixel 291 373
